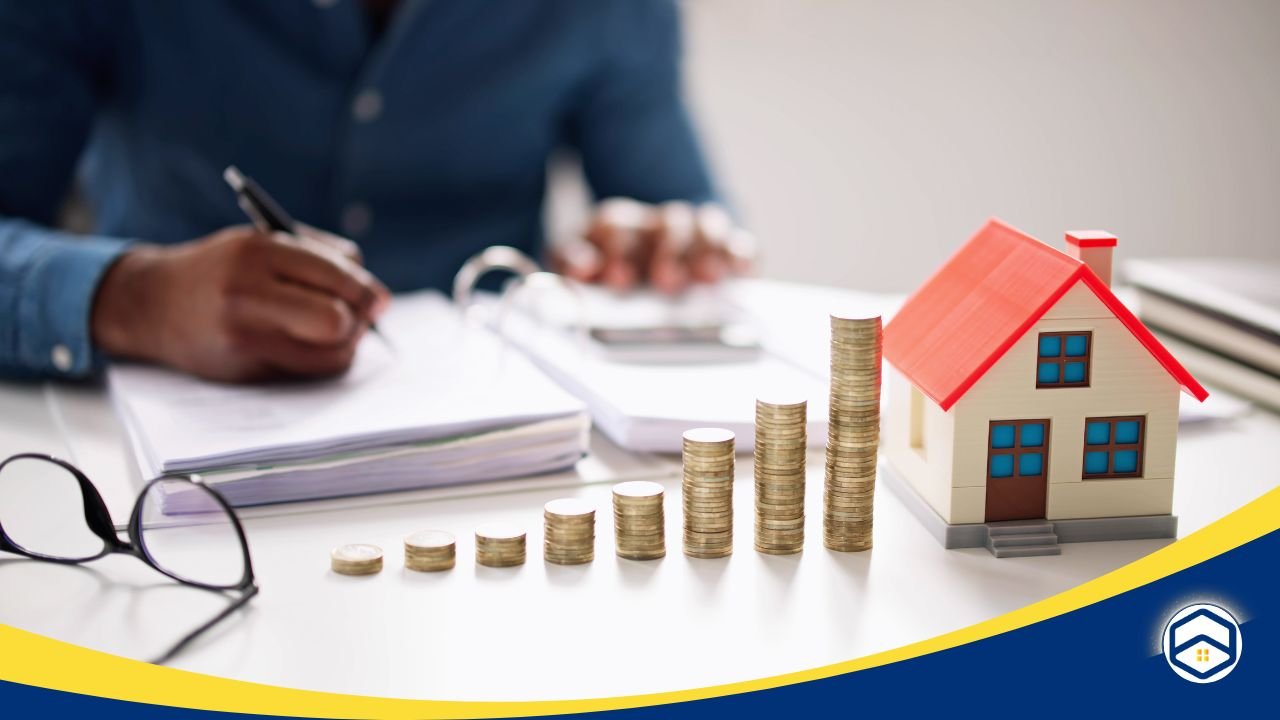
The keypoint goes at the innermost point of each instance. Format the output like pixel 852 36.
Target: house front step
pixel 1028 539
pixel 1022 538
pixel 1019 527
pixel 1025 550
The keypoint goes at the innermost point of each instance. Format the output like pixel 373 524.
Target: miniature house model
pixel 1028 406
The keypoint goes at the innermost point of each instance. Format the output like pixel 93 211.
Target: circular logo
pixel 1202 643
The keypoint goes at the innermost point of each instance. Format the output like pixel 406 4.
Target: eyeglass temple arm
pixel 181 644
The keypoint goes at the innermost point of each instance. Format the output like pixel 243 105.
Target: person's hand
pixel 240 305
pixel 668 246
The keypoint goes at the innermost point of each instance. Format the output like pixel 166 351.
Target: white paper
pixel 364 432
pixel 647 407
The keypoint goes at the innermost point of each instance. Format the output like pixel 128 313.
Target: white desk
pixel 543 631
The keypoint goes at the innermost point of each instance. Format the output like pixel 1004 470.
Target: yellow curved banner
pixel 35 660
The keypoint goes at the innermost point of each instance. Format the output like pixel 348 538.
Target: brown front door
pixel 1017 469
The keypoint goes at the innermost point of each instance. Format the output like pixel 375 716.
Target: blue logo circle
pixel 1202 643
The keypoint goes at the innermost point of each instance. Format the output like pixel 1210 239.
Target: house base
pixel 1143 527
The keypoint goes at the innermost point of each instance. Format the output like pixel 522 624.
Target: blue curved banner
pixel 1108 659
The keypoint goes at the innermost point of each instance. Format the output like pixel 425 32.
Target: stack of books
pixel 1220 317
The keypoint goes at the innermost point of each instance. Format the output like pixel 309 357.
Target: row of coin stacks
pixel 708 464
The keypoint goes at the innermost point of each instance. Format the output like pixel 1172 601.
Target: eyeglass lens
pixel 42 510
pixel 186 531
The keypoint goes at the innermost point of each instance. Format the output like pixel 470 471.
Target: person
pixel 415 133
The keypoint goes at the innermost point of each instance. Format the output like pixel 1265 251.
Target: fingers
pixel 341 245
pixel 298 312
pixel 708 259
pixel 668 242
pixel 577 259
pixel 318 265
pixel 669 246
pixel 290 357
pixel 615 234
pixel 742 252
pixel 291 330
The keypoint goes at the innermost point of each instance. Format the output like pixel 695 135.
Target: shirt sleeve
pixel 56 60
pixel 631 125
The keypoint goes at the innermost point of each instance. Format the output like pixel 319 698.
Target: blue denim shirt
pixel 425 144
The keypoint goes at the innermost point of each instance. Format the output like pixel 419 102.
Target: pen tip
pixel 233 177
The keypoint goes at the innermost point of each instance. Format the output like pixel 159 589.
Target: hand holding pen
pixel 268 216
pixel 239 304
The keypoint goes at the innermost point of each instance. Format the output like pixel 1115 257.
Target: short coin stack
pixel 499 545
pixel 854 433
pixel 358 559
pixel 569 534
pixel 779 474
pixel 638 520
pixel 430 551
pixel 708 492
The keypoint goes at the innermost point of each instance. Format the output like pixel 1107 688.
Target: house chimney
pixel 1093 248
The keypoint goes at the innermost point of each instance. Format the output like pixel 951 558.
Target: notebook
pixel 451 404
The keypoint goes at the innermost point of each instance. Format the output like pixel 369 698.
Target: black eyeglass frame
pixel 98 518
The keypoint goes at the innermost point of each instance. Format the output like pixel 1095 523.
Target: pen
pixel 266 213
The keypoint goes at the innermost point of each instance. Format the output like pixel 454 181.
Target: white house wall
pixel 1124 380
pixel 928 471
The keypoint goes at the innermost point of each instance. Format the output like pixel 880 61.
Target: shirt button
pixel 62 358
pixel 356 219
pixel 368 106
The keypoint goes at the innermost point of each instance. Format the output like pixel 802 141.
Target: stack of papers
pixel 1219 316
pixel 647 407
pixel 450 404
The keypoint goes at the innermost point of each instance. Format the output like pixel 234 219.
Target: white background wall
pixel 863 141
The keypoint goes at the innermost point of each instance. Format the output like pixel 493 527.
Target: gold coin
pixel 638 490
pixel 498 532
pixel 707 435
pixel 569 508
pixel 429 540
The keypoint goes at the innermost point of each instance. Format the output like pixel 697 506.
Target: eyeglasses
pixel 50 511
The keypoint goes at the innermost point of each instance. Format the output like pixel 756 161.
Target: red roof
pixel 964 318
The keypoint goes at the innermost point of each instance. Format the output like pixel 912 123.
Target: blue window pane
pixel 1073 372
pixel 1048 373
pixel 1098 433
pixel 1050 346
pixel 1032 435
pixel 1030 464
pixel 1002 436
pixel 1127 431
pixel 1126 461
pixel 1001 466
pixel 1077 345
pixel 1095 463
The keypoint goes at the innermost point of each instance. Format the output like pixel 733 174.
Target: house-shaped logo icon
pixel 1202 643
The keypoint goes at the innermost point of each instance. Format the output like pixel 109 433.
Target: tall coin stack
pixel 779 474
pixel 500 545
pixel 638 520
pixel 854 433
pixel 708 492
pixel 569 533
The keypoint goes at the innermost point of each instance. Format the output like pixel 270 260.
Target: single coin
pixel 781 403
pixel 569 508
pixel 499 532
pixel 429 539
pixel 709 435
pixel 638 489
